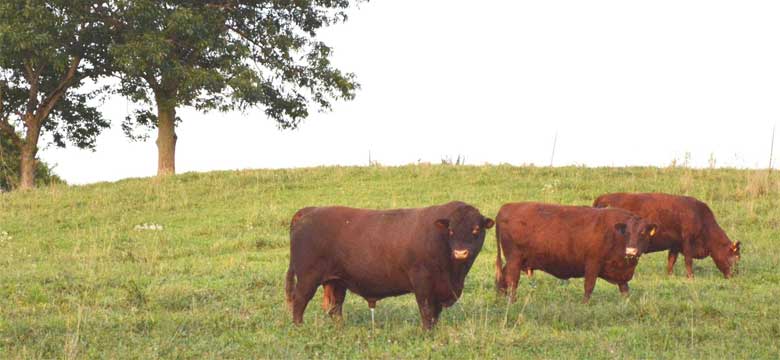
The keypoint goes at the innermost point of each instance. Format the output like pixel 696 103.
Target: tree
pixel 224 55
pixel 9 167
pixel 47 50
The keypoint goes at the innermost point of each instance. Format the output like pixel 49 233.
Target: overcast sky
pixel 621 82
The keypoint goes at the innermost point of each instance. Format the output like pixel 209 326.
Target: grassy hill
pixel 87 272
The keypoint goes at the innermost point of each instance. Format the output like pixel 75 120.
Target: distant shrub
pixel 9 168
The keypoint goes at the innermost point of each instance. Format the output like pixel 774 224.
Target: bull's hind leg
pixel 304 291
pixel 512 277
pixel 338 293
pixel 328 299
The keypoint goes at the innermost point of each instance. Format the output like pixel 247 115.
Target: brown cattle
pixel 685 224
pixel 378 254
pixel 567 242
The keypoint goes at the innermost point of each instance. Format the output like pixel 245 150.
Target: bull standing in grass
pixel 568 242
pixel 378 254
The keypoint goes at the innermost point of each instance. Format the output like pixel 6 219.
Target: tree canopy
pixel 224 55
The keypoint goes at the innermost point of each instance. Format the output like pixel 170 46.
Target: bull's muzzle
pixel 460 254
pixel 632 252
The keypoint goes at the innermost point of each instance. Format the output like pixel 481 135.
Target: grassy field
pixel 82 277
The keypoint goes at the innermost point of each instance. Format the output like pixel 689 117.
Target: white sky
pixel 622 83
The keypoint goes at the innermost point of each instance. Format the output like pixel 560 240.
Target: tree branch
pixel 244 36
pixel 228 5
pixel 108 18
pixel 33 78
pixel 2 105
pixel 151 81
pixel 67 80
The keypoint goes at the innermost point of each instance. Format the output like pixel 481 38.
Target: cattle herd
pixel 429 251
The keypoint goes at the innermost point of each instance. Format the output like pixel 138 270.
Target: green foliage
pixel 47 50
pixel 85 282
pixel 226 55
pixel 9 168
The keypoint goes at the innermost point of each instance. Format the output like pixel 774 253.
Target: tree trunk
pixel 29 149
pixel 28 167
pixel 166 139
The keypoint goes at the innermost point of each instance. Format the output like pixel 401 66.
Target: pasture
pixel 192 266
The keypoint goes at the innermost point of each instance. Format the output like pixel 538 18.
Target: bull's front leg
pixel 436 308
pixel 423 292
pixel 592 270
pixel 687 251
pixel 623 289
pixel 671 259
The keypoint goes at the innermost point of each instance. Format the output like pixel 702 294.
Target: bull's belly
pixel 663 244
pixel 374 287
pixel 559 269
pixel 375 291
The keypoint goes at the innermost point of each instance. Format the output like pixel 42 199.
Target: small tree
pixel 9 167
pixel 223 55
pixel 47 50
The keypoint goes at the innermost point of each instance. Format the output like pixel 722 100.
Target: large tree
pixel 224 55
pixel 47 51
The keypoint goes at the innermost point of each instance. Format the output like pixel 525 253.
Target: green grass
pixel 78 281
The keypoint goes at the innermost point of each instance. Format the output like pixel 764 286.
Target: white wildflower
pixel 145 226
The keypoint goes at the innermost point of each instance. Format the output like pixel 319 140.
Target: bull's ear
pixel 736 246
pixel 651 229
pixel 442 223
pixel 620 228
pixel 488 223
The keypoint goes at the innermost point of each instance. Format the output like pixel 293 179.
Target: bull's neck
pixel 715 237
pixel 719 246
pixel 458 272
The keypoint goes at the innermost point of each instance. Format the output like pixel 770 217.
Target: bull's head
pixel 465 235
pixel 727 258
pixel 637 234
pixel 734 256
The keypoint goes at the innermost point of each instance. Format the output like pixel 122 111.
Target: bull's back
pixel 351 231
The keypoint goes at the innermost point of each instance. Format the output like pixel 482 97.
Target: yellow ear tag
pixel 652 232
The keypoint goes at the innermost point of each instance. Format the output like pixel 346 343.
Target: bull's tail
pixel 289 283
pixel 499 262
pixel 289 286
